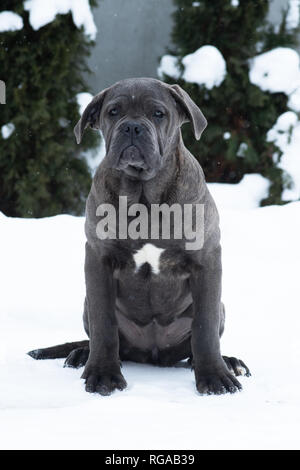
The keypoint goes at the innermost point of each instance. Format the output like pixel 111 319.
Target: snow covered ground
pixel 43 406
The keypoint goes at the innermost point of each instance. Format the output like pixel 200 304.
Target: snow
pixel 7 130
pixel 44 406
pixel 290 162
pixel 94 157
pixel 276 71
pixel 206 66
pixel 279 71
pixel 242 150
pixel 168 66
pixel 246 194
pixel 280 133
pixel 294 100
pixel 286 135
pixel 292 19
pixel 42 13
pixel 10 21
pixel 83 100
pixel 63 122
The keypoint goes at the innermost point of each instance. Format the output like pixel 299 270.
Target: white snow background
pixel 44 406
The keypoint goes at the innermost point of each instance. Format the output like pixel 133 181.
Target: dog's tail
pixel 60 351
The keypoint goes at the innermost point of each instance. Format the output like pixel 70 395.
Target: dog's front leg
pixel 211 373
pixel 102 372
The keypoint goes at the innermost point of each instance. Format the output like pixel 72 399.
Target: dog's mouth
pixel 133 163
pixel 134 170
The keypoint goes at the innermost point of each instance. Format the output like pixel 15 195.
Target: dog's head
pixel 139 119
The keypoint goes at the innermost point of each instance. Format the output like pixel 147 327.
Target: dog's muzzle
pixel 132 162
pixel 133 151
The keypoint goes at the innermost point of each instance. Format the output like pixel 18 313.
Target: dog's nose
pixel 133 129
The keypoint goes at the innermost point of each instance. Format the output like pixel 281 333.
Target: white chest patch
pixel 148 254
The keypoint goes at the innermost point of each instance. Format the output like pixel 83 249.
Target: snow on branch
pixel 10 21
pixel 293 16
pixel 42 12
pixel 206 66
pixel 276 71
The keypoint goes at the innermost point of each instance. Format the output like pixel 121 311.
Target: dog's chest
pixel 153 281
pixel 139 261
pixel 148 254
pixel 152 295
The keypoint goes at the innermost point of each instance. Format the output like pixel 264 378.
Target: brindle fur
pixel 138 315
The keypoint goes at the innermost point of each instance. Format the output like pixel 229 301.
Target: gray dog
pixel 149 300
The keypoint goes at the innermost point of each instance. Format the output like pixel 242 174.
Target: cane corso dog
pixel 150 300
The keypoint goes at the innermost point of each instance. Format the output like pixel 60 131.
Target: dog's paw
pixel 217 382
pixel 236 366
pixel 77 358
pixel 103 383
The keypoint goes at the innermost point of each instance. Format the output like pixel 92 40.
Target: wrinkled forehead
pixel 137 93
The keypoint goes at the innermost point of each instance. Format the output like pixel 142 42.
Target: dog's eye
pixel 159 114
pixel 113 112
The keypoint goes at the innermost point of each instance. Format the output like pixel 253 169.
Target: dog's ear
pixel 191 111
pixel 90 116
